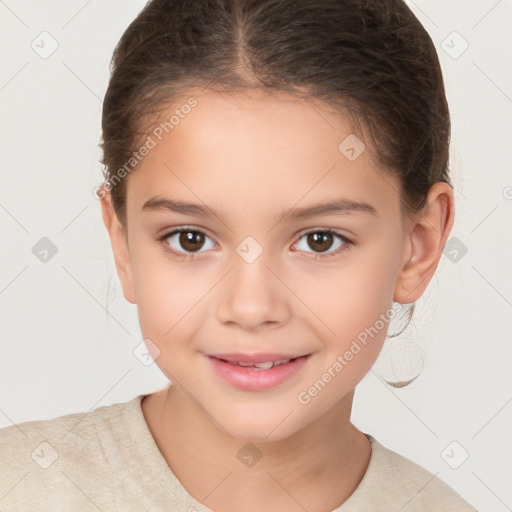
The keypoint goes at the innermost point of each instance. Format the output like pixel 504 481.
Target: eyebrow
pixel 335 207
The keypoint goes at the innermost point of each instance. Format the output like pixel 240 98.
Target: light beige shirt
pixel 107 460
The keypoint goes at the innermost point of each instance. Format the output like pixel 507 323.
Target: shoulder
pixel 67 434
pixel 421 489
pixel 72 453
pixel 394 482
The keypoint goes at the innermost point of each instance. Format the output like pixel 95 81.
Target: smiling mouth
pixel 259 361
pixel 257 372
pixel 266 365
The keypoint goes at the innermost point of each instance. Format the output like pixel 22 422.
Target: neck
pixel 327 458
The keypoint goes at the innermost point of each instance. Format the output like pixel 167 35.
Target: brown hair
pixel 370 58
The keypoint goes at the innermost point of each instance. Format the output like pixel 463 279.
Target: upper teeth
pixel 263 366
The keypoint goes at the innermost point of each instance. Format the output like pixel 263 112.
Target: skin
pixel 250 158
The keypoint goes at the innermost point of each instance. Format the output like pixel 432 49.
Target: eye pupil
pixel 320 239
pixel 190 238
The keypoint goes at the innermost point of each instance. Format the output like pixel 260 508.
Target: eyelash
pixel 190 256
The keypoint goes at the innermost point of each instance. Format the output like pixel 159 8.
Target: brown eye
pixel 323 241
pixel 186 241
pixel 320 241
pixel 191 240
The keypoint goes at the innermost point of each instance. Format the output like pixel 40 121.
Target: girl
pixel 276 187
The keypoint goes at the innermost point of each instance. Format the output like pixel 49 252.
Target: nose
pixel 252 297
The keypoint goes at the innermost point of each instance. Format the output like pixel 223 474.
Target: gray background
pixel 68 335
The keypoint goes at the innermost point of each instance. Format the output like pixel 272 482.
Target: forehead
pixel 257 149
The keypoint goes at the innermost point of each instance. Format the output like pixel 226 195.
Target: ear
pixel 426 237
pixel 119 241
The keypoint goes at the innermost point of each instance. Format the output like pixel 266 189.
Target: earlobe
pixel 426 238
pixel 119 242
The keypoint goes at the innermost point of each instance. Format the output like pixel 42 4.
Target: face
pixel 257 275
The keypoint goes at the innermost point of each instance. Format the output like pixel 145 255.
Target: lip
pixel 249 379
pixel 263 357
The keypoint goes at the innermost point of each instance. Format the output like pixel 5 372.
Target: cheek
pixel 168 296
pixel 354 306
pixel 347 299
pixel 356 311
pixel 168 308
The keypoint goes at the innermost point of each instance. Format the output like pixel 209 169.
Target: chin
pixel 259 433
pixel 259 426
